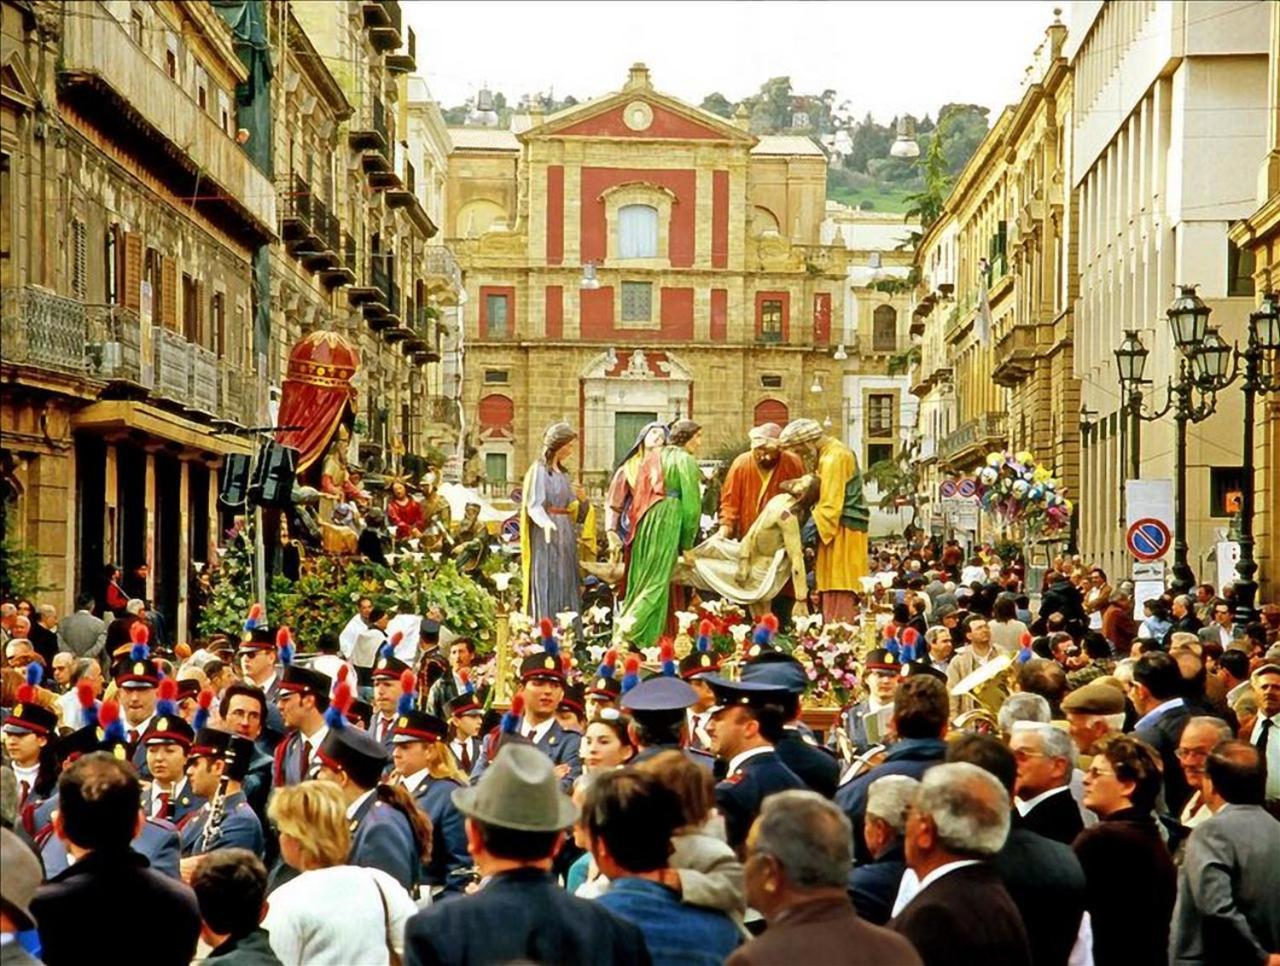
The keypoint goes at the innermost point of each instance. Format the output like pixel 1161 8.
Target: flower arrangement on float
pixel 1018 491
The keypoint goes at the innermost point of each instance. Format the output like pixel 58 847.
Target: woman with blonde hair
pixel 332 912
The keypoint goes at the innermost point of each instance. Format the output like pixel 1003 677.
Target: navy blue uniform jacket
pixel 449 853
pixel 381 838
pixel 739 796
pixel 522 916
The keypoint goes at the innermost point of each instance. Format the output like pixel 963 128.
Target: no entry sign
pixel 1148 539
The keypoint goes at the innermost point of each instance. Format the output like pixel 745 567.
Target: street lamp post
pixel 1204 358
pixel 1264 339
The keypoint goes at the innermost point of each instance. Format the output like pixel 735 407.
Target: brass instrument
pixel 988 686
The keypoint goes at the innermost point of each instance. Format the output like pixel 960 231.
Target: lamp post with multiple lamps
pixel 1193 397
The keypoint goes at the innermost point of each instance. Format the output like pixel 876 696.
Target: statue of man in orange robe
pixel 754 478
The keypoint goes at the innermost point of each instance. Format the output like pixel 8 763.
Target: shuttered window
pixel 132 271
pixel 169 292
pixel 79 260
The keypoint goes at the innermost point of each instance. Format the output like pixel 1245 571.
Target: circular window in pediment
pixel 638 116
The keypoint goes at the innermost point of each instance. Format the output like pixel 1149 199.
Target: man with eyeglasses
pixel 1223 630
pixel 1199 737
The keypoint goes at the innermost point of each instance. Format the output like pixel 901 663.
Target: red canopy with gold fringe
pixel 317 392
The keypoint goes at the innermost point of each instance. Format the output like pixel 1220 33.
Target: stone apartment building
pixel 179 204
pixel 636 258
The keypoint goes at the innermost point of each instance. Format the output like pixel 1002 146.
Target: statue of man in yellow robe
pixel 841 515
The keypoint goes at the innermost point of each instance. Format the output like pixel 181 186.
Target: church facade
pixel 636 258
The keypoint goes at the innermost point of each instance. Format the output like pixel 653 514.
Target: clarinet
pixel 217 812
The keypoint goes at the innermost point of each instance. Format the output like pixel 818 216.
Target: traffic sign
pixel 947 489
pixel 1148 539
pixel 967 487
pixel 511 529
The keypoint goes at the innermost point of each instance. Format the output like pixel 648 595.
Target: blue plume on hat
pixel 667 654
pixel 139 652
pixel 405 704
pixel 35 673
pixel 336 715
pixel 632 676
pixel 167 693
pixel 511 720
pixel 387 651
pixel 760 636
pixel 284 644
pixel 608 666
pixel 549 642
pixel 203 702
pixel 254 618
pixel 112 726
pixel 908 653
pixel 891 645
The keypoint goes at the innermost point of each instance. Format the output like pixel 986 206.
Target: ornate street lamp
pixel 1210 361
pixel 1264 340
pixel 1131 363
pixel 1131 359
pixel 1188 317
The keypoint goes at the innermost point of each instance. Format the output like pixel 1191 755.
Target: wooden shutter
pixel 169 292
pixel 131 271
pixel 79 260
pixel 202 334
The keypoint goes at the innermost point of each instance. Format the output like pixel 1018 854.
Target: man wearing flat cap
pixel 515 821
pixel 745 723
pixel 1094 712
pixel 841 516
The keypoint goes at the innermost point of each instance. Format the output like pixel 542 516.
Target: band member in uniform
pixel 243 710
pixel 572 708
pixel 188 693
pixel 216 767
pixel 29 731
pixel 429 772
pixel 745 723
pixel 168 795
pixel 544 683
pixel 797 748
pixel 700 663
pixel 604 689
pixel 659 720
pixel 466 715
pixel 259 650
pixel 882 673
pixel 386 695
pixel 137 677
pixel 304 698
pixel 388 831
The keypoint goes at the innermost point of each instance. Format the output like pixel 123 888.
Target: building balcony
pixel 43 330
pixel 112 82
pixel 202 395
pixel 344 272
pixel 172 364
pixel 1014 355
pixel 237 397
pixel 115 347
pixel 972 440
pixel 385 36
pixel 405 59
pixel 404 197
pixel 367 130
pixel 442 412
pixel 297 205
pixel 324 251
pixel 442 271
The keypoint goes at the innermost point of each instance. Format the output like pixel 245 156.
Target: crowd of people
pixel 1049 784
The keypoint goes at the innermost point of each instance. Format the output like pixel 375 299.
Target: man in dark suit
pixel 874 885
pixel 1045 804
pixel 1157 696
pixel 515 817
pixel 745 723
pixel 958 821
pixel 797 748
pixel 109 883
pixel 1044 878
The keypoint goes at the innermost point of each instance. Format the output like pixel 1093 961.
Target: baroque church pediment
pixel 637 364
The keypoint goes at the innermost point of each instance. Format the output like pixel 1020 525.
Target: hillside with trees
pixel 862 172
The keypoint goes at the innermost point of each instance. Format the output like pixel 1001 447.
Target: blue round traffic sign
pixel 967 487
pixel 1148 539
pixel 947 489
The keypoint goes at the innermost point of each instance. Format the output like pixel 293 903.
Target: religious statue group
pixel 792 514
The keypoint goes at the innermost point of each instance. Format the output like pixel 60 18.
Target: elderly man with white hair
pixel 958 820
pixel 874 885
pixel 1045 766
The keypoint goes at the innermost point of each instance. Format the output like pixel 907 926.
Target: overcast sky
pixel 882 57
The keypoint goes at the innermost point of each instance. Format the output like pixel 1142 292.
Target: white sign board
pixel 1148 572
pixel 1228 556
pixel 967 515
pixel 1143 591
pixel 1148 499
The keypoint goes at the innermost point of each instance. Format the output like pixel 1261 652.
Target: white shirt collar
pixel 1029 804
pixel 139 728
pixel 1157 711
pixel 412 782
pixel 539 731
pixel 942 870
pixel 26 771
pixel 355 806
pixel 736 762
pixel 317 737
pixel 1256 733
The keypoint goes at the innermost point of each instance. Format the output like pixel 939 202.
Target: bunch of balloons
pixel 1016 489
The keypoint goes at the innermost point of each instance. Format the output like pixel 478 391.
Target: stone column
pixel 184 546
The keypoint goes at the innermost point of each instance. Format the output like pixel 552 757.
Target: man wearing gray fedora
pixel 516 816
pixel 17 888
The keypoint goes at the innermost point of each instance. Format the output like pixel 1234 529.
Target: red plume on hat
pixel 204 701
pixel 336 716
pixel 284 644
pixel 407 682
pixel 88 702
